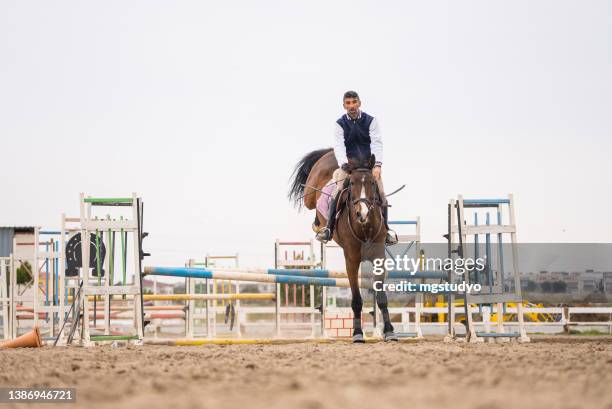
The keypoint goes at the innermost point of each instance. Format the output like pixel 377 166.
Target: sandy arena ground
pixel 552 372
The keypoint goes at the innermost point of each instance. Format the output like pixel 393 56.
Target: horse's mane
pixel 300 175
pixel 367 163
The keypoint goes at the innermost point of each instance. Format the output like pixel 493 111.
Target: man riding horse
pixel 357 136
pixel 358 196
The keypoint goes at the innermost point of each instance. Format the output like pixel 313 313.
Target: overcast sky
pixel 203 108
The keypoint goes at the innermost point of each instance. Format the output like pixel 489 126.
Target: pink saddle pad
pixel 325 199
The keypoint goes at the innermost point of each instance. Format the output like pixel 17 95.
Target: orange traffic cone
pixel 29 340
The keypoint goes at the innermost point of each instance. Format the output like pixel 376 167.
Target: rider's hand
pixel 376 172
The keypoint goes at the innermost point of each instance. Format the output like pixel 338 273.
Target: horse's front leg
pixel 352 268
pixel 381 301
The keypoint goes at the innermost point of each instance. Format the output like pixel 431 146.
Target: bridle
pixel 369 203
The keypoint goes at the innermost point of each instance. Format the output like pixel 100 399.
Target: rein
pixel 320 190
pixel 368 240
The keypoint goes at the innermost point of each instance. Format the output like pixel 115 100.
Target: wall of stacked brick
pixel 340 324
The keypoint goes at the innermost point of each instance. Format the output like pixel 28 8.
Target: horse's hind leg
pixel 381 301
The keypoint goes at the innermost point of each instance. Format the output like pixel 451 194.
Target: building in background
pixel 22 234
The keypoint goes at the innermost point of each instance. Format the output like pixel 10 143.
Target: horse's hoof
pixel 390 336
pixel 358 339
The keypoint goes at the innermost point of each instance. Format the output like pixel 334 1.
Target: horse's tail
pixel 300 175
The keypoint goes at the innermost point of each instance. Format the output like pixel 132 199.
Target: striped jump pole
pixel 245 275
pixel 228 296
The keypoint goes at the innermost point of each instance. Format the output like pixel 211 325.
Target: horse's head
pixel 363 191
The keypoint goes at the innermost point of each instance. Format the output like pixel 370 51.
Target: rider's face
pixel 352 106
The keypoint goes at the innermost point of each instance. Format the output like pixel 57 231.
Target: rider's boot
pixel 391 238
pixel 326 234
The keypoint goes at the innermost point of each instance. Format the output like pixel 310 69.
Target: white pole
pixel 36 276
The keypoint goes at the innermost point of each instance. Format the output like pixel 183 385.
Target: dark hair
pixel 350 94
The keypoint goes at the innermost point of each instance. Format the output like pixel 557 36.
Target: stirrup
pixel 324 235
pixel 391 238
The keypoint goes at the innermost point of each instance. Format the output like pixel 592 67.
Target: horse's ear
pixel 372 161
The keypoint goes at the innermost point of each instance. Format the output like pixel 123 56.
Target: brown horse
pixel 360 229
